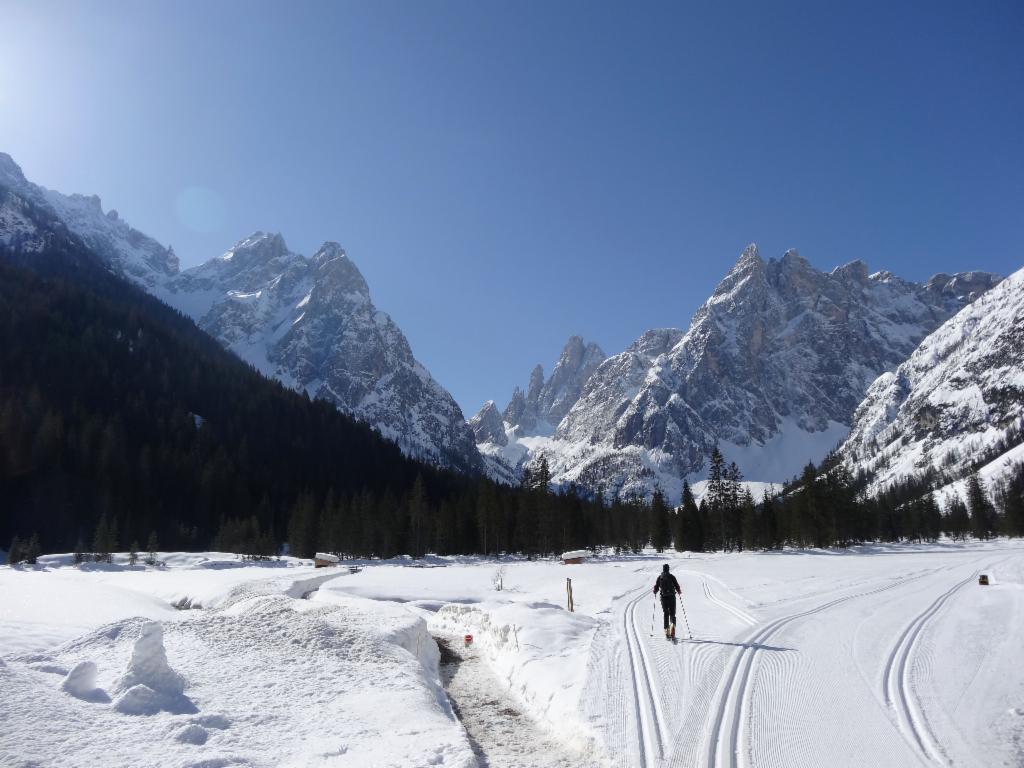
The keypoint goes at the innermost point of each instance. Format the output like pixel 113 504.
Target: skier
pixel 669 588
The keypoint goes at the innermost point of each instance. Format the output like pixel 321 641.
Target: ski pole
pixel 654 607
pixel 683 606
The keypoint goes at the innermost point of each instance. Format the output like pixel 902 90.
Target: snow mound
pixel 81 683
pixel 192 734
pixel 149 685
pixel 148 665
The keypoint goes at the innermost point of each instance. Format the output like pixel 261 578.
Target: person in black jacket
pixel 669 588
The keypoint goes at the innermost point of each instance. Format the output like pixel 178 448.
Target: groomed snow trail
pixel 832 676
pixel 726 743
pixel 897 685
pixel 650 718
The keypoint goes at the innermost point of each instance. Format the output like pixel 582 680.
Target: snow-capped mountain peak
pixel 487 425
pixel 309 322
pixel 128 251
pixel 771 369
pixel 546 401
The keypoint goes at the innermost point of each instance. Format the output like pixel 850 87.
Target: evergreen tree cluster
pixel 824 509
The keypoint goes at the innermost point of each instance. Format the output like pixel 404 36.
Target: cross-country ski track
pixel 752 688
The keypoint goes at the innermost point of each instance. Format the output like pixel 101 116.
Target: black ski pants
pixel 668 605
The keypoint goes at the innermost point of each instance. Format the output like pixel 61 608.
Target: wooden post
pixel 568 590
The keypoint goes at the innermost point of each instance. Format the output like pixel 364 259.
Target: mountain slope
pixel 113 403
pixel 771 368
pixel 308 322
pixel 957 400
pixel 127 251
pixel 311 324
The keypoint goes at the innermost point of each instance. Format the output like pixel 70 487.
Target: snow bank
pixel 541 650
pixel 263 679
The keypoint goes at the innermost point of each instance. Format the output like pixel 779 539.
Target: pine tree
pixel 979 508
pixel 769 525
pixel 542 476
pixel 101 540
pixel 733 504
pixel 112 539
pixel 33 550
pixel 14 552
pixel 152 545
pixel 692 528
pixel 931 518
pixel 678 529
pixel 660 524
pixel 748 513
pixel 715 497
pixel 958 523
pixel 79 554
pixel 302 526
pixel 417 506
pixel 133 553
pixel 1014 502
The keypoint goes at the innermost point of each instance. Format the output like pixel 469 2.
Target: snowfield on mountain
pixel 957 398
pixel 882 656
pixel 771 370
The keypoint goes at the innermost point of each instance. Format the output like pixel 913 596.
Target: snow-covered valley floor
pixel 884 656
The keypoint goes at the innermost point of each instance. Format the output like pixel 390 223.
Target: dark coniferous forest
pixel 122 424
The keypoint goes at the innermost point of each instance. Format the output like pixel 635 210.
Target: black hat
pixel 665 567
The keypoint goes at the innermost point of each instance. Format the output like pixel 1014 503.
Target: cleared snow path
pixel 501 734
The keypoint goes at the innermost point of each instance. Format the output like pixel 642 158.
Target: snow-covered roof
pixel 576 553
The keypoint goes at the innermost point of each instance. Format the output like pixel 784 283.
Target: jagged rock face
pixel 516 411
pixel 547 401
pixel 488 426
pixel 128 251
pixel 311 324
pixel 308 322
pixel 780 355
pixel 575 366
pixel 958 395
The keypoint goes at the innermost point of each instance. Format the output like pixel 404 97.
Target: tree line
pixel 825 507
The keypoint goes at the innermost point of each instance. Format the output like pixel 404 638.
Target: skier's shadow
pixel 752 646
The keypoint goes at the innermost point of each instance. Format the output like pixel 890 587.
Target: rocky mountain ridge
pixel 957 398
pixel 771 369
pixel 309 322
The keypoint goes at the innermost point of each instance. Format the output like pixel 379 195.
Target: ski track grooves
pixel 724 740
pixel 649 717
pixel 896 680
pixel 743 616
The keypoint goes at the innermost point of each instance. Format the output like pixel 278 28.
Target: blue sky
pixel 508 174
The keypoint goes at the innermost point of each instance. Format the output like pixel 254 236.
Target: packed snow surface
pixel 882 656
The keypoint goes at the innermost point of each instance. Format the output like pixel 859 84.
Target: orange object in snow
pixel 468 639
